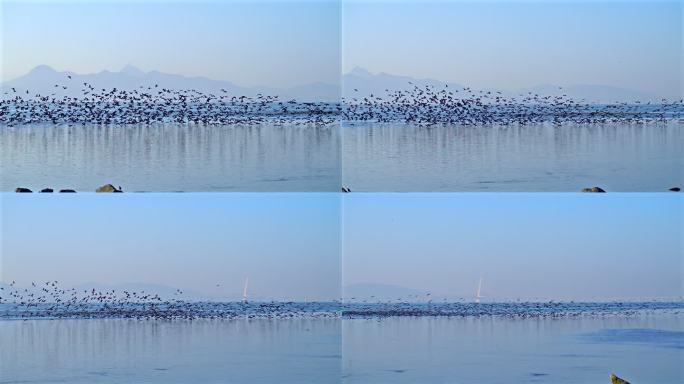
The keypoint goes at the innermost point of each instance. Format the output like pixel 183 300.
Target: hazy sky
pixel 272 43
pixel 288 244
pixel 507 44
pixel 549 245
pixel 518 44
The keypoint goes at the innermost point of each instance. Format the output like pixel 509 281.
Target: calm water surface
pixel 394 157
pixel 645 349
pixel 171 157
pixel 368 157
pixel 204 351
pixel 560 347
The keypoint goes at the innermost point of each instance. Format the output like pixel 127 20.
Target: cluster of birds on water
pixel 424 105
pixel 47 300
pixel 434 105
pixel 516 310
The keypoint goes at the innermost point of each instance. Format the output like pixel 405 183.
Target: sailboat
pixel 479 290
pixel 244 291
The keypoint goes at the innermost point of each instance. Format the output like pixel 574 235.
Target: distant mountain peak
pixel 42 69
pixel 362 72
pixel 130 69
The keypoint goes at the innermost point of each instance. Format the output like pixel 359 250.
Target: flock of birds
pixel 155 104
pixel 430 105
pixel 425 105
pixel 513 310
pixel 49 300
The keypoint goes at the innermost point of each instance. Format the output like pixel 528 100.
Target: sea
pixel 363 156
pixel 544 342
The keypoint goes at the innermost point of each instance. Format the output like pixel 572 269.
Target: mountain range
pixel 42 80
pixel 356 83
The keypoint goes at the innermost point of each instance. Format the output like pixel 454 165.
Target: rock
pixel 346 189
pixel 67 191
pixel 108 188
pixel 46 190
pixel 23 190
pixel 593 189
pixel 616 380
pixel 675 189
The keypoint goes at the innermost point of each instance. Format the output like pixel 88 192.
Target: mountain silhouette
pixel 358 83
pixel 42 80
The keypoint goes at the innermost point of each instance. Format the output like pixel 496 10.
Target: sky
pixel 251 43
pixel 287 244
pixel 568 246
pixel 563 246
pixel 504 44
pixel 514 45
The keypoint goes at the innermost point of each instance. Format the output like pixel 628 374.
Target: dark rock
pixel 67 191
pixel 593 189
pixel 108 188
pixel 675 189
pixel 346 190
pixel 46 190
pixel 23 190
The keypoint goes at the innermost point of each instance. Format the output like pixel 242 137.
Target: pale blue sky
pixel 287 243
pixel 523 245
pixel 518 44
pixel 548 245
pixel 271 43
pixel 485 44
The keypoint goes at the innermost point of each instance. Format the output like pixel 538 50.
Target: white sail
pixel 479 290
pixel 244 291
